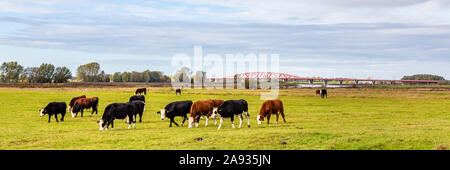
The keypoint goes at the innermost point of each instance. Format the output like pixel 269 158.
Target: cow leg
pixel 112 125
pixel 173 120
pixel 49 116
pixel 207 120
pixel 56 117
pixel 184 120
pixel 220 124
pixel 140 117
pixel 248 118
pixel 282 115
pixel 215 121
pixel 130 120
pixel 232 121
pixel 82 112
pixel 197 121
pixel 268 118
pixel 240 121
pixel 134 121
pixel 277 117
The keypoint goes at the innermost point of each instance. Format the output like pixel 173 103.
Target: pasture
pixel 353 119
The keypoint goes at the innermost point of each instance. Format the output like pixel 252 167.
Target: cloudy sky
pixel 383 39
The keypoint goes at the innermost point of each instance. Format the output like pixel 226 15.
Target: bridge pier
pixel 356 82
pixel 341 82
pixel 373 83
pixel 311 81
pixel 325 82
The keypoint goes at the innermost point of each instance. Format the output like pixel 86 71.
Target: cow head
pixel 163 113
pixel 102 125
pixel 43 112
pixel 191 122
pixel 260 119
pixel 215 112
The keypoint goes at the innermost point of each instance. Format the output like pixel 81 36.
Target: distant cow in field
pixel 178 92
pixel 140 91
pixel 54 108
pixel 137 98
pixel 118 111
pixel 232 108
pixel 85 103
pixel 317 92
pixel 174 109
pixel 140 108
pixel 72 102
pixel 200 108
pixel 324 93
pixel 270 107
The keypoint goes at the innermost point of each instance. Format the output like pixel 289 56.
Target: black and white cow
pixel 232 108
pixel 137 98
pixel 324 93
pixel 174 109
pixel 54 108
pixel 140 108
pixel 118 111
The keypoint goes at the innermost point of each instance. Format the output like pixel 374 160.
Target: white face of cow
pixel 100 123
pixel 73 114
pixel 191 122
pixel 163 114
pixel 258 118
pixel 42 113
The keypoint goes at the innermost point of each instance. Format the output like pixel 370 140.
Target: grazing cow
pixel 72 102
pixel 317 92
pixel 232 108
pixel 118 111
pixel 140 91
pixel 180 108
pixel 178 92
pixel 216 104
pixel 140 108
pixel 85 103
pixel 270 107
pixel 200 108
pixel 323 93
pixel 54 108
pixel 137 98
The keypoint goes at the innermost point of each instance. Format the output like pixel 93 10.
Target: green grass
pixel 339 122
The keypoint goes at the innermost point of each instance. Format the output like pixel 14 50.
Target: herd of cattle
pixel 202 109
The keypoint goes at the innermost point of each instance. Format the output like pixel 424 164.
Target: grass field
pixel 355 119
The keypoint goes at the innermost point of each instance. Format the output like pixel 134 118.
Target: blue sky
pixel 330 38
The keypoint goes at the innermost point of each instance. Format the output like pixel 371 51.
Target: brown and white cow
pixel 72 102
pixel 198 109
pixel 85 103
pixel 140 91
pixel 270 107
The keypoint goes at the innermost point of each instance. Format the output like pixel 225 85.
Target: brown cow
pixel 73 101
pixel 85 103
pixel 270 107
pixel 317 92
pixel 198 109
pixel 140 91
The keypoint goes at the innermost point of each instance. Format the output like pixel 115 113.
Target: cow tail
pixel 282 108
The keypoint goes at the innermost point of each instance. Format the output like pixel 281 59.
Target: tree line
pixel 13 72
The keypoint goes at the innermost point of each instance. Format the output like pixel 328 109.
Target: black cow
pixel 180 108
pixel 137 98
pixel 118 111
pixel 178 92
pixel 54 108
pixel 323 93
pixel 140 108
pixel 232 108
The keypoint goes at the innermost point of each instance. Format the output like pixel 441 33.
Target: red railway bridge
pixel 287 77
